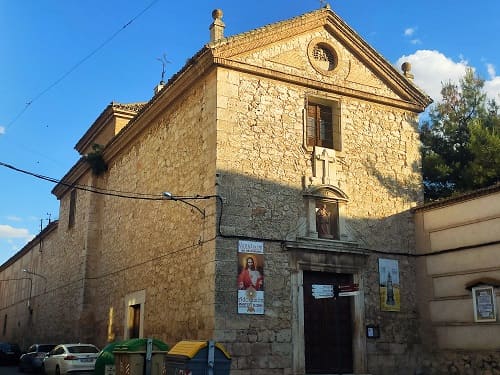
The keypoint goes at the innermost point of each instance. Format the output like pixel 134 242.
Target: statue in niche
pixel 323 222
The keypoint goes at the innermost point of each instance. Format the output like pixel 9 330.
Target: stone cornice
pixel 326 245
pixel 371 58
pixel 324 18
pixel 70 178
pixel 126 111
pixel 317 85
pixel 273 33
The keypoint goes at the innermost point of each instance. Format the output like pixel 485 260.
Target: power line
pixel 74 67
pixel 108 192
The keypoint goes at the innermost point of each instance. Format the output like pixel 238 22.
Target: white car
pixel 71 358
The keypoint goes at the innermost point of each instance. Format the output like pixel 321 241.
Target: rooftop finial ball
pixel 217 14
pixel 406 67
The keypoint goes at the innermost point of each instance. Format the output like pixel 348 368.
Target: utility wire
pixel 96 190
pixel 74 67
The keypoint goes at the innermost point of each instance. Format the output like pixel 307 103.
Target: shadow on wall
pixel 257 208
pixel 410 190
pixel 261 208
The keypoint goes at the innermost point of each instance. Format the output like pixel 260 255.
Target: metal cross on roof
pixel 324 4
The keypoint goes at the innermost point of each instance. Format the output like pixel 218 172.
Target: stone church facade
pixel 296 142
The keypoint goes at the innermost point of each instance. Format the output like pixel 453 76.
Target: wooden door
pixel 327 326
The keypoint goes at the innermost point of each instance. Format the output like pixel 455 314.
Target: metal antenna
pixel 164 62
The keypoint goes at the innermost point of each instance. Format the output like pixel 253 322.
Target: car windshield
pixel 82 349
pixel 45 348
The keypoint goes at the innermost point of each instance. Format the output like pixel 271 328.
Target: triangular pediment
pixel 294 50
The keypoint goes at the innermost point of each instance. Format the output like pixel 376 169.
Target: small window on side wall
pixel 327 220
pixel 72 209
pixel 323 125
pixel 134 321
pixel 134 315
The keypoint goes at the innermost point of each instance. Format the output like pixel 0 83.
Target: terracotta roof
pixel 133 107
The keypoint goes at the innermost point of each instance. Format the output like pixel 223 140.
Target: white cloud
pixel 492 88
pixel 14 218
pixel 431 69
pixel 416 41
pixel 491 70
pixel 6 231
pixel 409 31
pixel 2 129
pixel 492 85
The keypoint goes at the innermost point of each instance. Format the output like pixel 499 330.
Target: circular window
pixel 322 56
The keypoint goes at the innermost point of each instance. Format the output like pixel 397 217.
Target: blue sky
pixel 71 58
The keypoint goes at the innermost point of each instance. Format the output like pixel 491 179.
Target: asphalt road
pixel 9 370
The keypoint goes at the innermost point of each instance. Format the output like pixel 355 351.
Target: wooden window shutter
pixel 311 125
pixel 337 132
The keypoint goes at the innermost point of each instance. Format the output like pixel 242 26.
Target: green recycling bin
pixel 140 357
pixel 105 362
pixel 198 358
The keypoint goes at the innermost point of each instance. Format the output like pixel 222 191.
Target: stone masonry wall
pixel 58 260
pixel 163 247
pixel 261 161
pixel 119 246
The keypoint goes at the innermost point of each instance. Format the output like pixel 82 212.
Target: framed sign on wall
pixel 390 298
pixel 485 309
pixel 250 277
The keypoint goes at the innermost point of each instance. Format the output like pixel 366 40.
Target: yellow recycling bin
pixel 198 358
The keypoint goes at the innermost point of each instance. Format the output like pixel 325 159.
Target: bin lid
pixel 106 354
pixel 105 357
pixel 190 348
pixel 139 345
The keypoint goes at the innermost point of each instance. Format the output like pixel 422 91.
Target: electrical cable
pixel 156 197
pixel 107 192
pixel 74 67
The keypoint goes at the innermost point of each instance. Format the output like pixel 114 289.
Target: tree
pixel 461 140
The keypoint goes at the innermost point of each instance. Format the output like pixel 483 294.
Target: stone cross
pixel 324 165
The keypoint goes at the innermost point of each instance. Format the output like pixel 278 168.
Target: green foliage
pixel 484 169
pixel 96 160
pixel 461 140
